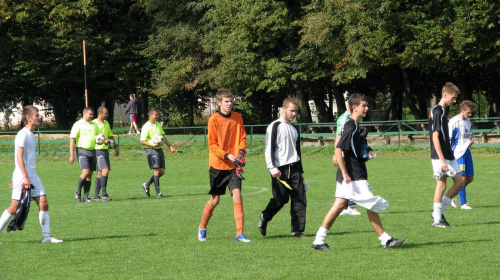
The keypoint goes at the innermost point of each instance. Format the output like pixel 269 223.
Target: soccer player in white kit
pixel 25 175
pixel 461 141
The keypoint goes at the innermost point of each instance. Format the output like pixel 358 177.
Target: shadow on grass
pixel 454 242
pixel 110 237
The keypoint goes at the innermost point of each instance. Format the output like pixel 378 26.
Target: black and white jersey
pixel 282 144
pixel 438 121
pixel 351 142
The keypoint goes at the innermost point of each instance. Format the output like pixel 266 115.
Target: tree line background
pixel 176 54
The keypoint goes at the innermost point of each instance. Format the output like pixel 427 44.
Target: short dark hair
pixel 151 110
pixel 355 99
pixel 86 109
pixel 101 109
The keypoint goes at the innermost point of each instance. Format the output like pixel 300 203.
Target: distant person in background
pixel 153 137
pixel 25 174
pixel 102 154
pixel 82 137
pixel 461 141
pixel 132 110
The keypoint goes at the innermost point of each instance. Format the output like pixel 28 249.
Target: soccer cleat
pixel 146 188
pixel 87 200
pixel 392 243
pixel 321 247
pixel 160 195
pixel 98 198
pixel 51 239
pixel 354 210
pixel 442 223
pixel 242 238
pixel 106 198
pixel 453 203
pixel 77 197
pixel 262 225
pixel 298 234
pixel 465 207
pixel 202 234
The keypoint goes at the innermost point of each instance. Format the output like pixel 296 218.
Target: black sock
pixel 86 189
pixel 157 183
pixel 97 187
pixel 151 180
pixel 80 185
pixel 104 184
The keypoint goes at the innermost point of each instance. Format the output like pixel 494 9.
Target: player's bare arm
pixel 439 151
pixel 22 167
pixel 71 150
pixel 341 164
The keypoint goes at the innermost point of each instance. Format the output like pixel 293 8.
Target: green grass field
pixel 136 237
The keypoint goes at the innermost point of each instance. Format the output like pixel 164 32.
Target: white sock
pixel 438 212
pixel 445 202
pixel 384 238
pixel 4 219
pixel 320 236
pixel 43 217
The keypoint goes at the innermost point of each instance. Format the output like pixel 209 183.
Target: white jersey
pixel 460 135
pixel 282 144
pixel 25 139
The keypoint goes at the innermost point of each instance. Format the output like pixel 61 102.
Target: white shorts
pixel 359 191
pixel 436 167
pixel 17 183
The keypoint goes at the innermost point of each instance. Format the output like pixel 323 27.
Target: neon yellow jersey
pixel 105 129
pixel 84 134
pixel 149 131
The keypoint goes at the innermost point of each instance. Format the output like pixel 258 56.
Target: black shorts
pixel 102 159
pixel 156 158
pixel 87 159
pixel 220 179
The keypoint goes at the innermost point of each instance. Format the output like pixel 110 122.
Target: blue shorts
pixel 466 165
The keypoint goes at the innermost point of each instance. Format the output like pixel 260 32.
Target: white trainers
pixel 345 212
pixel 465 207
pixel 453 203
pixel 51 239
pixel 354 210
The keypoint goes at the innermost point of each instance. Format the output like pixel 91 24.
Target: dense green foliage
pixel 176 54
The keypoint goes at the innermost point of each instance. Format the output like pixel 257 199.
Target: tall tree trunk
pixel 304 111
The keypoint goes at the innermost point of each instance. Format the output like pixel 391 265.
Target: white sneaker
pixel 345 212
pixel 51 239
pixel 354 210
pixel 466 207
pixel 453 203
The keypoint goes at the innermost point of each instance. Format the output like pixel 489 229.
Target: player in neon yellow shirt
pixel 151 131
pixel 102 154
pixel 82 137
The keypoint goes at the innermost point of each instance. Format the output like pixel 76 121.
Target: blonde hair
pixel 466 104
pixel 450 88
pixel 290 100
pixel 28 111
pixel 223 93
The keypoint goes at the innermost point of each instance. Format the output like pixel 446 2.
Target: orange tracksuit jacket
pixel 226 135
